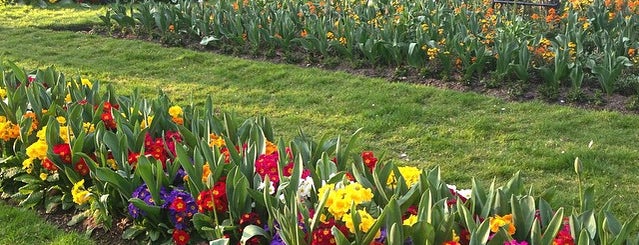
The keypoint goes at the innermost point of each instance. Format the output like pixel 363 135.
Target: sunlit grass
pixel 23 227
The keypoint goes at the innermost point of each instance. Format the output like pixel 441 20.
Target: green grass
pixel 26 227
pixel 466 134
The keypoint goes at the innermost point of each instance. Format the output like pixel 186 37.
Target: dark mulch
pixel 100 235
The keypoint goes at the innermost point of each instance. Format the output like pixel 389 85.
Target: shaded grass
pixel 466 134
pixel 20 227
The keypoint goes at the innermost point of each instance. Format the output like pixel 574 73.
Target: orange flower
pixel 270 148
pixel 171 28
pixel 311 7
pixel 506 221
pixel 534 16
pixel 304 34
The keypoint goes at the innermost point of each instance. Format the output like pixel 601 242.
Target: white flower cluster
pixel 305 188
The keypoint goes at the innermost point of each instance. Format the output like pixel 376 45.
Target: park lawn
pixel 25 227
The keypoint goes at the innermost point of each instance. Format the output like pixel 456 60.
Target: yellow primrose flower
pixel 3 93
pixel 340 200
pixel 86 82
pixel 79 193
pixel 410 175
pixel 218 141
pixel 366 221
pixel 506 221
pixel 112 163
pixel 27 165
pixel 43 176
pixel 175 111
pixel 38 150
pixel 67 98
pixel 358 194
pixel 42 133
pixel 65 134
pixel 339 207
pixel 410 221
pixel 88 127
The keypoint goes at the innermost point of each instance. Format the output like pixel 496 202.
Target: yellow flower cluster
pixel 146 122
pixel 8 130
pixel 84 82
pixel 366 221
pixel 217 141
pixel 79 193
pixel 340 199
pixel 176 114
pixel 410 175
pixel 410 221
pixel 506 221
pixel 88 127
pixel 37 150
pixel 3 93
pixel 431 52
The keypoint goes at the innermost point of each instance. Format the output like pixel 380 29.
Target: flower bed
pixel 583 44
pixel 191 175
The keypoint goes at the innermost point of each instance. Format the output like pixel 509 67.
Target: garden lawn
pixel 466 134
pixel 26 227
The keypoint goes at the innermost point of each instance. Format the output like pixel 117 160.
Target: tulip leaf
pixel 395 234
pixel 584 238
pixel 33 199
pixel 132 232
pixel 252 230
pixel 466 216
pixel 611 223
pixel 220 241
pixel 424 233
pixel 152 212
pixel 201 221
pixel 545 213
pixel 523 210
pixel 340 239
pixel 481 234
pixel 535 233
pixel 553 227
pixel 18 72
pixel 623 234
pixel 124 186
pixel 236 191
